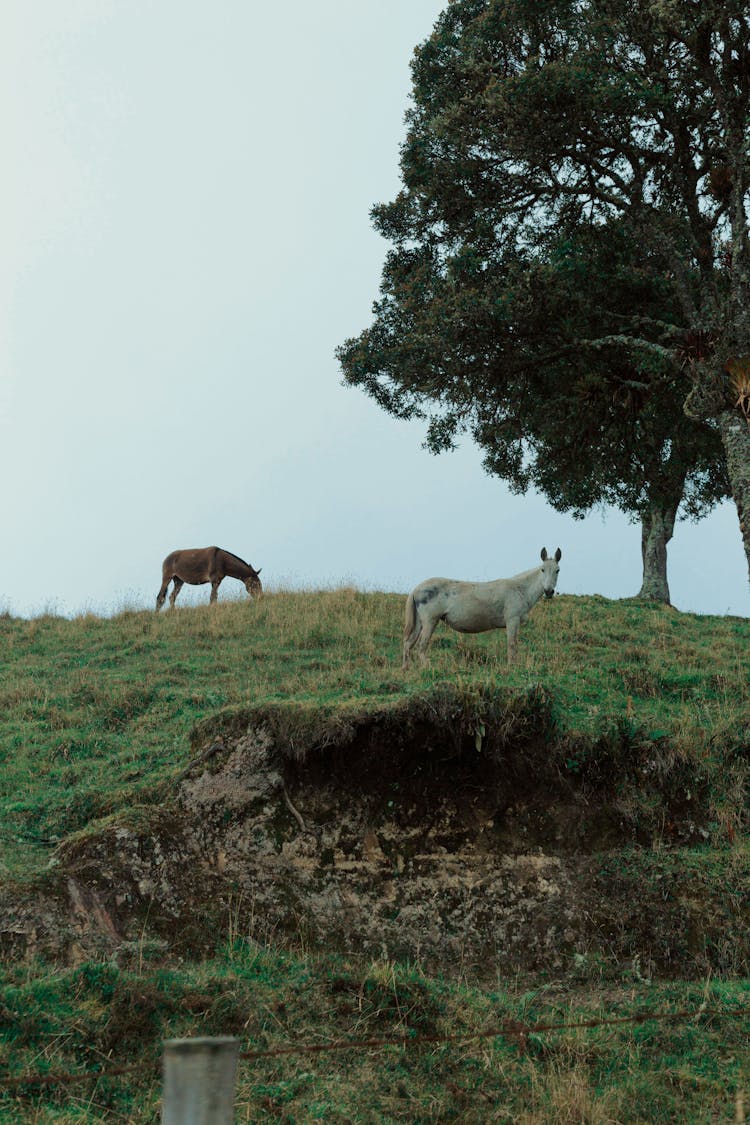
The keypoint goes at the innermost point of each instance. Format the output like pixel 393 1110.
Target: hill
pixel 99 711
pixel 265 773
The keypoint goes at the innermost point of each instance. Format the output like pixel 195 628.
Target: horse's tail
pixel 411 616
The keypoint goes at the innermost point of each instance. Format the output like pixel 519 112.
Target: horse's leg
pixel 425 636
pixel 512 629
pixel 215 583
pixel 162 595
pixel 178 584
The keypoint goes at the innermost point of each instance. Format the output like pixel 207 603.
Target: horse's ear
pixel 259 570
pixel 544 553
pixel 558 555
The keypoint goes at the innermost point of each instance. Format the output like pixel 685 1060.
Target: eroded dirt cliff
pixel 465 834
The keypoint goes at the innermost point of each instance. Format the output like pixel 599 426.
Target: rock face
pixel 416 833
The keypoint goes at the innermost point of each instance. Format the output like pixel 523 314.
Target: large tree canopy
pixel 571 253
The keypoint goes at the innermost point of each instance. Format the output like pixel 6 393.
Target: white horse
pixel 474 607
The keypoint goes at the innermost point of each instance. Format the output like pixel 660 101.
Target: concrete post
pixel 198 1081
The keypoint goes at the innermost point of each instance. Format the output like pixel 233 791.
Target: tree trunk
pixel 735 434
pixel 657 526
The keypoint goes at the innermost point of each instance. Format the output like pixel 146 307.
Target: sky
pixel 184 215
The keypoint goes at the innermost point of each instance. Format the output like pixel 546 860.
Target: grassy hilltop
pixel 100 715
pixel 98 711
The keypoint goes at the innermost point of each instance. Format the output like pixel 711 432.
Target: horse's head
pixel 550 569
pixel 253 584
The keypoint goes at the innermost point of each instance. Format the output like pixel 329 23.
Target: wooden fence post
pixel 198 1081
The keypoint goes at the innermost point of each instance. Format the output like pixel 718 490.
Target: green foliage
pixel 525 352
pixel 560 274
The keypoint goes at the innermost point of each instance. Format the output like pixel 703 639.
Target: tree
pixel 493 344
pixel 540 136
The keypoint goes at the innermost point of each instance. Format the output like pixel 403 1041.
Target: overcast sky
pixel 184 209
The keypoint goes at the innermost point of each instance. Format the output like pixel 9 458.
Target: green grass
pixel 95 1016
pixel 97 712
pixel 98 715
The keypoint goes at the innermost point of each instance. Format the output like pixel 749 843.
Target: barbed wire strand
pixel 512 1029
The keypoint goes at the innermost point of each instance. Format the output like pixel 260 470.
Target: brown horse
pixel 199 565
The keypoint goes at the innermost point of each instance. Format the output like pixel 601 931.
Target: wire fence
pixel 512 1029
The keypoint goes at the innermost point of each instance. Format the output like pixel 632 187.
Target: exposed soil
pixel 469 841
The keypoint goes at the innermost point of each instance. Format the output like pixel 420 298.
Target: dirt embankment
pixel 461 832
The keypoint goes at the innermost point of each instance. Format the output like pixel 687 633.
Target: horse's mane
pixel 237 557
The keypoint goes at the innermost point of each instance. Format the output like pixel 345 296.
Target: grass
pixel 92 1017
pixel 98 715
pixel 97 712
